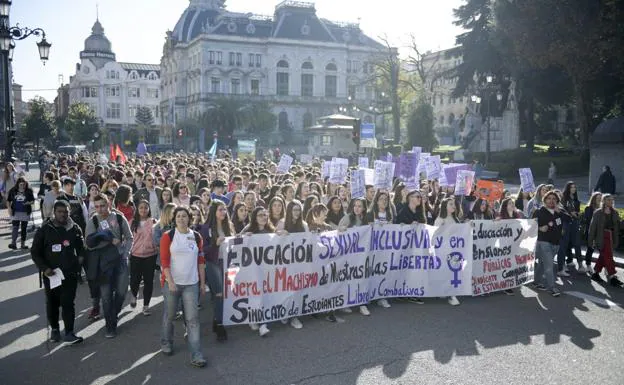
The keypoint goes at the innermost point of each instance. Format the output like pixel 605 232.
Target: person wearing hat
pixel 57 249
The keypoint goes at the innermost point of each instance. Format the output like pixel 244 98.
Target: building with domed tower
pixel 114 90
pixel 304 66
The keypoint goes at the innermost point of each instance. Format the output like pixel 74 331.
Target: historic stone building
pixel 303 65
pixel 114 90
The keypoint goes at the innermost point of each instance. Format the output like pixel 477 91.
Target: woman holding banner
pixel 448 216
pixel 259 223
pixel 381 213
pixel 509 211
pixel 481 211
pixel 335 213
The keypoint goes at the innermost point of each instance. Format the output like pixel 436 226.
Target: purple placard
pixel 409 168
pixel 450 172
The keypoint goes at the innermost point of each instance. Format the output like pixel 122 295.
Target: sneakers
pixel 416 300
pixel 295 323
pixel 555 292
pixel 364 310
pixel 597 278
pixel 614 281
pixel 263 330
pixel 581 269
pixel 331 318
pixel 133 301
pixel 94 314
pixel 71 338
pixel 384 303
pixel 146 311
pixel 166 350
pixel 563 273
pixel 509 292
pixel 55 335
pixel 110 333
pixel 198 361
pixel 12 246
pixel 24 247
pixel 453 301
pixel 346 310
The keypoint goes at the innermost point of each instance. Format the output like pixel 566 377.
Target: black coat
pixel 58 247
pixel 606 183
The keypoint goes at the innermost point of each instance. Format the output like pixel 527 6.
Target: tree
pixel 38 125
pixel 420 127
pixel 224 116
pixel 145 120
pixel 81 123
pixel 261 119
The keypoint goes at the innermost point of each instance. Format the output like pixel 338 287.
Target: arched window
pixel 307 120
pixel 134 75
pixel 282 121
pixel 307 66
pixel 152 76
pixel 282 81
pixel 331 81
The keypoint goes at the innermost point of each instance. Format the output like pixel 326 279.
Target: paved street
pixel 526 339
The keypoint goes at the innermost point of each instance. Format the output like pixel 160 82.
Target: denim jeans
pixel 113 293
pixel 214 279
pixel 574 242
pixel 544 255
pixel 188 294
pixel 563 245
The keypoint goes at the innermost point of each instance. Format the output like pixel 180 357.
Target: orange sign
pixel 489 190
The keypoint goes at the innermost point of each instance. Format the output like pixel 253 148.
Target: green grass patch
pixel 446 148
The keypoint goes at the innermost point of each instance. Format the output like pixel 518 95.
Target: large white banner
pixel 270 277
pixel 503 254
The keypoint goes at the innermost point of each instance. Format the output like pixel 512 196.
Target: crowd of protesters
pixel 123 221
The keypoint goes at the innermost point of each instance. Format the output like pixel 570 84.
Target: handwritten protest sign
pixel 422 163
pixel 503 254
pixel 489 190
pixel 434 167
pixel 306 159
pixel 463 182
pixel 384 172
pixel 269 277
pixel 363 162
pixel 450 172
pixel 338 170
pixel 526 180
pixel 284 164
pixel 358 183
pixel 369 176
pixel 409 166
pixel 325 169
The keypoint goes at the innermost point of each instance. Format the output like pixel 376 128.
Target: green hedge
pixel 539 163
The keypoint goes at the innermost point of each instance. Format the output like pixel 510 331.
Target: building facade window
pixel 132 110
pixel 239 59
pixel 133 75
pixel 235 86
pixel 307 85
pixel 349 65
pixel 255 87
pixel 89 92
pixel 134 92
pixel 327 140
pixel 352 91
pixel 152 93
pixel 113 91
pixel 211 57
pixel 282 121
pixel 232 58
pixel 215 85
pixel 331 81
pixel 307 120
pixel 113 110
pixel 252 59
pixel 219 57
pixel 152 76
pixel 282 83
pixel 258 60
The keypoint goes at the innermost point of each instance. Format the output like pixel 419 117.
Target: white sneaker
pixel 383 303
pixel 563 273
pixel 364 310
pixel 263 330
pixel 589 269
pixel 253 327
pixel 346 310
pixel 295 323
pixel 453 301
pixel 284 321
pixel 581 269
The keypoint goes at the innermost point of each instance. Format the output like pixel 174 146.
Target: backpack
pixel 96 223
pixel 171 233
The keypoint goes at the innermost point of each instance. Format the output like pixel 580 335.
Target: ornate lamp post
pixel 488 90
pixel 8 35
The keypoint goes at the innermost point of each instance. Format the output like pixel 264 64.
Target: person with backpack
pixel 183 278
pixel 142 256
pixel 110 240
pixel 56 250
pixel 78 210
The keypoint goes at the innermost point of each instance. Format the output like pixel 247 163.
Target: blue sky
pixel 136 29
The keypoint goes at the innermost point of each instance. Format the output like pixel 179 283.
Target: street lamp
pixel 487 90
pixel 8 35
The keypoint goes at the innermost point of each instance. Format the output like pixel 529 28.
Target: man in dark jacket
pixel 606 181
pixel 57 250
pixel 550 224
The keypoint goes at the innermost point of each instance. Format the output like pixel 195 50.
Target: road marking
pixel 605 302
